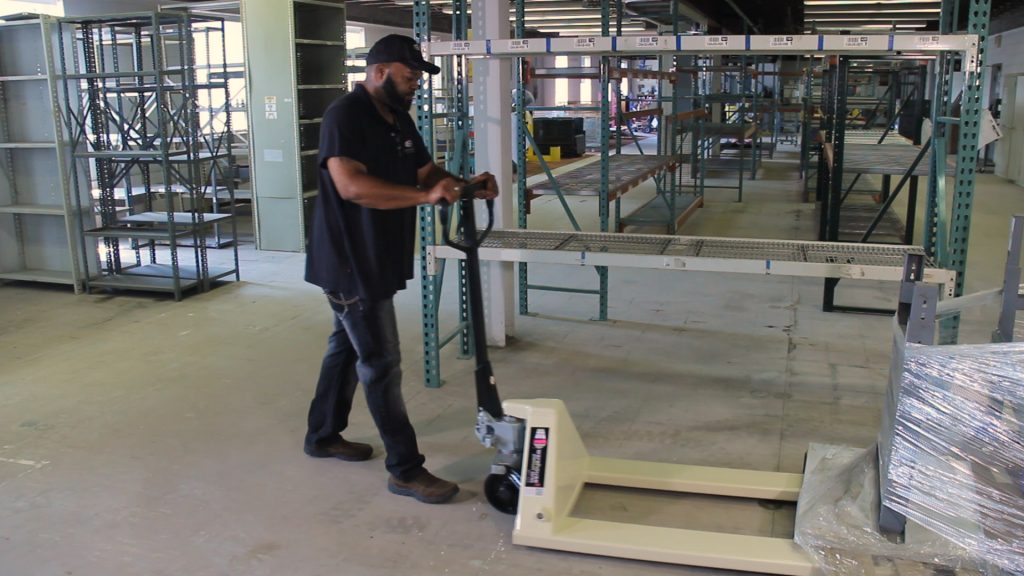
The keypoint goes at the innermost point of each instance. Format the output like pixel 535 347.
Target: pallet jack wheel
pixel 502 493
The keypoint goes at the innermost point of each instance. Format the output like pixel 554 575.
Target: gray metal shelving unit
pixel 294 73
pixel 137 110
pixel 38 228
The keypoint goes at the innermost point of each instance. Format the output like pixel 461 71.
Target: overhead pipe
pixel 742 15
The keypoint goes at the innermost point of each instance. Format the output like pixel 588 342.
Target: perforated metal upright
pixel 606 62
pixel 430 286
pixel 460 164
pixel 832 178
pixel 959 223
pixel 523 271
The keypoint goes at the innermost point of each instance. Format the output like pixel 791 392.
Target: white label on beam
pixel 646 43
pixel 519 46
pixel 522 45
pixel 794 43
pixel 930 42
pixel 461 47
pixel 857 43
pixel 585 42
pixel 582 44
pixel 714 43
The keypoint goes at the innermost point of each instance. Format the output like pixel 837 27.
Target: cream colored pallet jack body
pixel 541 467
pixel 556 466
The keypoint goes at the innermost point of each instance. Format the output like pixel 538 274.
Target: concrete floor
pixel 143 436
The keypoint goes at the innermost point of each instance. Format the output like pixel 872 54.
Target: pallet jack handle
pixel 468 243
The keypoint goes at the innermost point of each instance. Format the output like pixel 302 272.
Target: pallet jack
pixel 541 466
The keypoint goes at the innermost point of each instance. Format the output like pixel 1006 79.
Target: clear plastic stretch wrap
pixel 837 522
pixel 958 448
pixel 955 469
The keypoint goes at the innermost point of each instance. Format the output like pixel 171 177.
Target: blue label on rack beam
pixel 679 43
pixel 821 42
pixel 768 265
pixel 615 43
pixel 547 45
pixel 891 41
pixel 748 42
pixel 488 47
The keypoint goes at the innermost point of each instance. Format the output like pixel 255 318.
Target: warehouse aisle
pixel 143 436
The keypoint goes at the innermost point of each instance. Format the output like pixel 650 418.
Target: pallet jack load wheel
pixel 502 493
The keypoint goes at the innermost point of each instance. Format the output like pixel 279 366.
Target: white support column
pixel 492 124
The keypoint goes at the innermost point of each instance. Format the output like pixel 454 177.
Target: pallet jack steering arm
pixel 487 398
pixel 494 428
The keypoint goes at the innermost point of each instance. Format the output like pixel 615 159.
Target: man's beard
pixel 394 98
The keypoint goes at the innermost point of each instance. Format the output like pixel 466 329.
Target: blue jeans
pixel 364 348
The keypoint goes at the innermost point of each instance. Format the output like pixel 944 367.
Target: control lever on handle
pixel 471 237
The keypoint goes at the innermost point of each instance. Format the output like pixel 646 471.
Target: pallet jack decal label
pixel 537 461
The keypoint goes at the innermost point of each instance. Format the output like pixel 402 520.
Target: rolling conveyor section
pixel 805 259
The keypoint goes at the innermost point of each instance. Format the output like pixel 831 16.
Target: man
pixel 374 171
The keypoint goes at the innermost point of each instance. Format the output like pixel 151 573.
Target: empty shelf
pixel 658 212
pixel 625 171
pixel 39 275
pixel 41 209
pixel 180 218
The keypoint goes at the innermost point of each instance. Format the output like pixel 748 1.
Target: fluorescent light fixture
pixel 878 3
pixel 828 12
pixel 583 31
pixel 874 27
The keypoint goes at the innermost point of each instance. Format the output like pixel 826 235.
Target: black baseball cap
pixel 402 49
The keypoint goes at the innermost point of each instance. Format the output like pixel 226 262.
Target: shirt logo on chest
pixel 403 145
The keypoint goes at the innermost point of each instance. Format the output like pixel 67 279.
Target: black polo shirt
pixel 356 251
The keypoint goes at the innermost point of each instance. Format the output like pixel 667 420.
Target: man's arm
pixel 356 185
pixel 430 174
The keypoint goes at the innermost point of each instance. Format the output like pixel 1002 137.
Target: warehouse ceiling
pixel 583 17
pixel 868 15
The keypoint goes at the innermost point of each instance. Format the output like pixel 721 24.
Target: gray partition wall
pixel 293 73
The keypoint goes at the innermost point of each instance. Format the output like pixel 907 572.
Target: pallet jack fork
pixel 541 468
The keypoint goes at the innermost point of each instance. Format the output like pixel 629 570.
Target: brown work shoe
pixel 341 449
pixel 424 487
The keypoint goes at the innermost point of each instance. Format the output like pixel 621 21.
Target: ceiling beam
pixel 394 16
